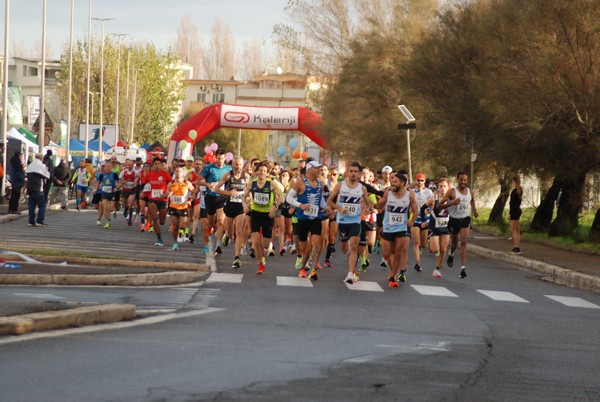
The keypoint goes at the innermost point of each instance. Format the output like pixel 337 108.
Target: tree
pixel 219 56
pixel 188 45
pixel 251 60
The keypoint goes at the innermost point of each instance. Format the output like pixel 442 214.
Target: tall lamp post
pixel 410 123
pixel 102 20
pixel 69 107
pixel 5 95
pixel 117 127
pixel 89 63
pixel 42 127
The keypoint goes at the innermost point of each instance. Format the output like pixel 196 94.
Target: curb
pixel 553 273
pixel 163 278
pixel 92 315
pixel 171 266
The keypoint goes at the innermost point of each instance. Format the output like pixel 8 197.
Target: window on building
pixel 218 98
pixel 201 97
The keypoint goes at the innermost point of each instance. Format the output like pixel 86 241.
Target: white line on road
pixel 573 301
pixel 292 281
pixel 433 291
pixel 40 296
pixel 502 296
pixel 365 286
pixel 221 277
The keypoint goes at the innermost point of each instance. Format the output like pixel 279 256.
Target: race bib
pixel 82 181
pixel 128 184
pixel 464 207
pixel 157 193
pixel 147 188
pixel 107 189
pixel 178 199
pixel 353 209
pixel 396 219
pixel 441 222
pixel 237 197
pixel 261 198
pixel 313 212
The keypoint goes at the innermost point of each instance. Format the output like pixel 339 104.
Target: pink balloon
pixel 228 157
pixel 207 149
pixel 214 146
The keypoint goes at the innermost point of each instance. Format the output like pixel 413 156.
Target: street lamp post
pixel 70 101
pixel 117 127
pixel 43 89
pixel 410 123
pixel 102 20
pixel 133 102
pixel 5 95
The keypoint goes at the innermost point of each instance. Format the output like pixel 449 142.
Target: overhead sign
pixel 259 118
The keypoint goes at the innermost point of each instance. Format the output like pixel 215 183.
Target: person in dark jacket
pixel 50 166
pixel 16 172
pixel 37 176
pixel 60 181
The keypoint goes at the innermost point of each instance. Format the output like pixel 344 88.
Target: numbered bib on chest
pixel 107 189
pixel 237 197
pixel 179 199
pixel 157 193
pixel 396 218
pixel 441 222
pixel 261 198
pixel 128 184
pixel 351 208
pixel 313 212
pixel 463 207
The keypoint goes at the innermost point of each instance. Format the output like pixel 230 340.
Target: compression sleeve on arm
pixel 291 198
pixel 371 189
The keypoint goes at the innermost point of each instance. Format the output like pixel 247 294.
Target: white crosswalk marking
pixel 573 301
pixel 502 296
pixel 433 291
pixel 221 277
pixel 365 286
pixel 292 281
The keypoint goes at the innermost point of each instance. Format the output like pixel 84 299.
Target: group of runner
pixel 256 203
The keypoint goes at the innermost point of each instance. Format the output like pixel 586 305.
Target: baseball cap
pixel 420 176
pixel 189 159
pixel 313 165
pixel 386 169
pixel 138 159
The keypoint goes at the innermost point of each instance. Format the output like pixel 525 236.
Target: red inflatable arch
pixel 247 117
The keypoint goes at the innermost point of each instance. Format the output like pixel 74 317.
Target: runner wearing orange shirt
pixel 179 193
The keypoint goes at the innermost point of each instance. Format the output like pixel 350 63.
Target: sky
pixel 144 20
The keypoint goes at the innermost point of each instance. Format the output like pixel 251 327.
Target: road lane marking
pixel 502 296
pixel 222 277
pixel 40 296
pixel 292 281
pixel 433 291
pixel 573 301
pixel 365 286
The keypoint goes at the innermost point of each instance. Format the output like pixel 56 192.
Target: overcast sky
pixel 145 20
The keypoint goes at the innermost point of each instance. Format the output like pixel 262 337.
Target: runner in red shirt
pixel 158 179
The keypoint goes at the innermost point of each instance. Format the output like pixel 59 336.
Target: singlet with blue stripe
pixel 311 196
pixel 349 198
pixel 396 213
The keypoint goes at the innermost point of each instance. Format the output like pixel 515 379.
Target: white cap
pixel 313 165
pixel 386 169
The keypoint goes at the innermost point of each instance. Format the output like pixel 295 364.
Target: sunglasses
pixel 421 180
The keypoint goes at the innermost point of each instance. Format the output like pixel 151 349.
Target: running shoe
pixel 302 273
pixel 98 222
pixel 236 263
pixel 180 239
pixel 129 222
pixel 252 254
pixel 437 273
pixel 392 282
pixel 192 238
pixel 417 267
pixel 450 260
pixel 137 219
pixel 383 263
pixel 175 246
pixel 328 264
pixel 298 263
pixel 243 250
pixel 151 229
pixel 401 276
pixel 281 251
pixel 463 273
pixel 225 240
pixel 349 278
pixel 218 251
pixel 516 250
pixel 319 266
pixel 159 243
pixel 313 274
pixel 363 264
pixel 205 250
pixel 107 225
pixel 143 228
pixel 356 276
pixel 293 250
pixel 77 208
pixel 261 268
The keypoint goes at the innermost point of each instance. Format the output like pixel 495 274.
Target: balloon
pixel 214 146
pixel 293 143
pixel 281 150
pixel 304 155
pixel 207 158
pixel 193 134
pixel 228 157
pixel 296 155
pixel 183 144
pixel 207 149
pixel 270 158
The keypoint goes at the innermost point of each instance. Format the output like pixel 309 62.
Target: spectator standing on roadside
pixel 37 176
pixel 514 213
pixel 16 173
pixel 50 166
pixel 60 181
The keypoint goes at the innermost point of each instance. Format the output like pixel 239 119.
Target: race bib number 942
pixel 396 219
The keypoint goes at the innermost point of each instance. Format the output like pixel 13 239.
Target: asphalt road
pixel 500 334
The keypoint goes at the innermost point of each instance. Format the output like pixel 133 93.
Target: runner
pixel 348 194
pixel 309 191
pixel 333 226
pixel 284 218
pixel 144 196
pixel 81 178
pixel 178 193
pixel 438 224
pixel 460 201
pixel 419 231
pixel 107 183
pixel 514 213
pixel 158 178
pixel 209 177
pixel 235 183
pixel 265 199
pixel 398 204
pixel 128 180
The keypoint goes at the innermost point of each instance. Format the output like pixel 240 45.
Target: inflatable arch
pixel 220 115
